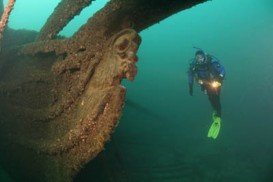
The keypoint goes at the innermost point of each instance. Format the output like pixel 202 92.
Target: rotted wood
pixel 61 99
pixel 62 15
pixel 48 119
pixel 5 17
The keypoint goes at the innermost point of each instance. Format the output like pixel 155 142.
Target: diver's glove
pixel 191 89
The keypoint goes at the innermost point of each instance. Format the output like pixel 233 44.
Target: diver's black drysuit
pixel 206 73
pixel 214 98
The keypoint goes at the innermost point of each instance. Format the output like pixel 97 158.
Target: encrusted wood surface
pixel 63 13
pixel 62 98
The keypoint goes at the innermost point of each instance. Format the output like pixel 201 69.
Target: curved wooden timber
pixel 62 98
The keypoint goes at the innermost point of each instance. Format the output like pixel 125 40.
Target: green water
pixel 162 132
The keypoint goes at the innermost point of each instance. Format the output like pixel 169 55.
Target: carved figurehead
pixel 125 47
pixel 119 59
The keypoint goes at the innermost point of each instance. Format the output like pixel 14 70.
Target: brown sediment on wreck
pixel 62 15
pixel 5 16
pixel 61 99
pixel 72 130
pixel 15 38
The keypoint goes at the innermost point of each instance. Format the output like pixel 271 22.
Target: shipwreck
pixel 61 98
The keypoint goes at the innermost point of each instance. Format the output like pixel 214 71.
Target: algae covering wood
pixel 62 15
pixel 5 16
pixel 65 133
pixel 67 94
pixel 136 14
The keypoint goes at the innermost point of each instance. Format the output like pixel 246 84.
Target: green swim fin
pixel 215 127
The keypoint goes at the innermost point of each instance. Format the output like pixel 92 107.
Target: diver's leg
pixel 214 129
pixel 214 98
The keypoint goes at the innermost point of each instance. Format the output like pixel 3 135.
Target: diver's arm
pixel 191 89
pixel 191 79
pixel 220 70
pixel 222 73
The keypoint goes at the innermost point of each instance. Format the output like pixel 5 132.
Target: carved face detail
pixel 126 47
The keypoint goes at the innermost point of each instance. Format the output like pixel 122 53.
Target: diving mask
pixel 200 59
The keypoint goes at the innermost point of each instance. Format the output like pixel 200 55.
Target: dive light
pixel 213 84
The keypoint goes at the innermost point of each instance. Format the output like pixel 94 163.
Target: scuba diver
pixel 206 70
